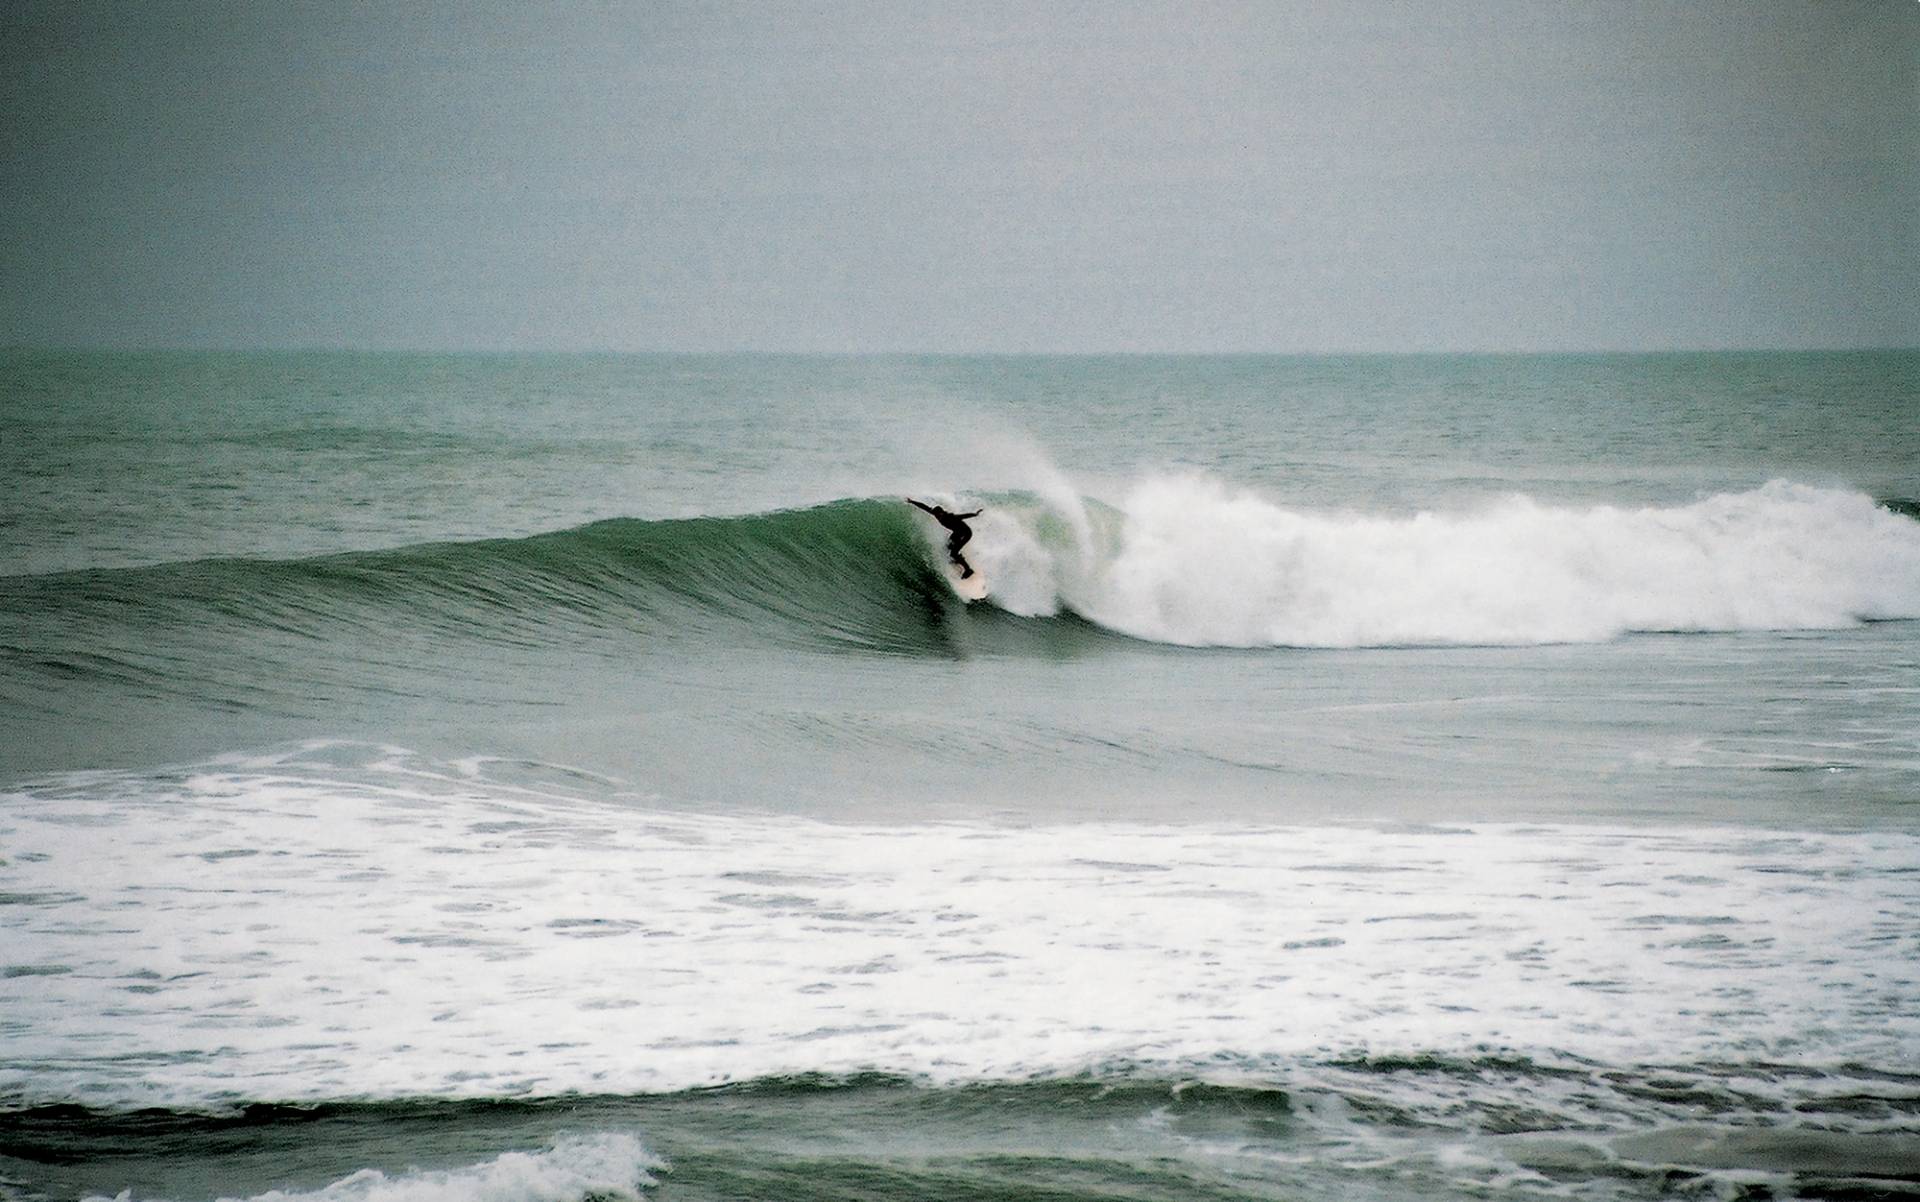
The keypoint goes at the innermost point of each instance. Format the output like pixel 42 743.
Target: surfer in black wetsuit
pixel 958 532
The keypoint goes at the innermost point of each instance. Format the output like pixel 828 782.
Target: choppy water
pixel 570 777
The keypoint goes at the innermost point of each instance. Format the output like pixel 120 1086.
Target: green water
pixel 569 776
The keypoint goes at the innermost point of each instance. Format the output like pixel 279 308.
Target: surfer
pixel 958 532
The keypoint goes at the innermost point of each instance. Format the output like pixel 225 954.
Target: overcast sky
pixel 1317 176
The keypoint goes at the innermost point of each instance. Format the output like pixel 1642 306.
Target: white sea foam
pixel 606 1166
pixel 290 931
pixel 1195 562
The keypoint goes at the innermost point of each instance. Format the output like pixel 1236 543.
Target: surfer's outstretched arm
pixel 976 513
pixel 922 505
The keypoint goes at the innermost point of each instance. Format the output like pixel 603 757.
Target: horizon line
pixel 765 352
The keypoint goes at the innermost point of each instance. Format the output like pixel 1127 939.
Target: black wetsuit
pixel 958 532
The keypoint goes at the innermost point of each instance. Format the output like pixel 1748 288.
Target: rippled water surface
pixel 571 777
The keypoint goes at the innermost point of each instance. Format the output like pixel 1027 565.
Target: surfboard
pixel 973 588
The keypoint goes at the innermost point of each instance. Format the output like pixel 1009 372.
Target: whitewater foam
pixel 1195 562
pixel 287 930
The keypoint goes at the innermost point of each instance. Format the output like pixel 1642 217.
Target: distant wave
pixel 1182 560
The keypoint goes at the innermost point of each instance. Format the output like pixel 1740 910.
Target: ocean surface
pixel 538 778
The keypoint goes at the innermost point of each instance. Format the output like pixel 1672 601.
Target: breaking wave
pixel 1182 560
pixel 1193 562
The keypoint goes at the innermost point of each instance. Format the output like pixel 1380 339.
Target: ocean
pixel 571 777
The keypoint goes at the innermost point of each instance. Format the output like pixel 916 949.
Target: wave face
pixel 853 573
pixel 1184 561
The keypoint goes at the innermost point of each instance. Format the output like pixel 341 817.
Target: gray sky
pixel 1003 177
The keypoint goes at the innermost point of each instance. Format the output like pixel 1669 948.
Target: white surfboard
pixel 972 588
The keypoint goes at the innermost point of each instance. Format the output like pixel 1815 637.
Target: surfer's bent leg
pixel 959 540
